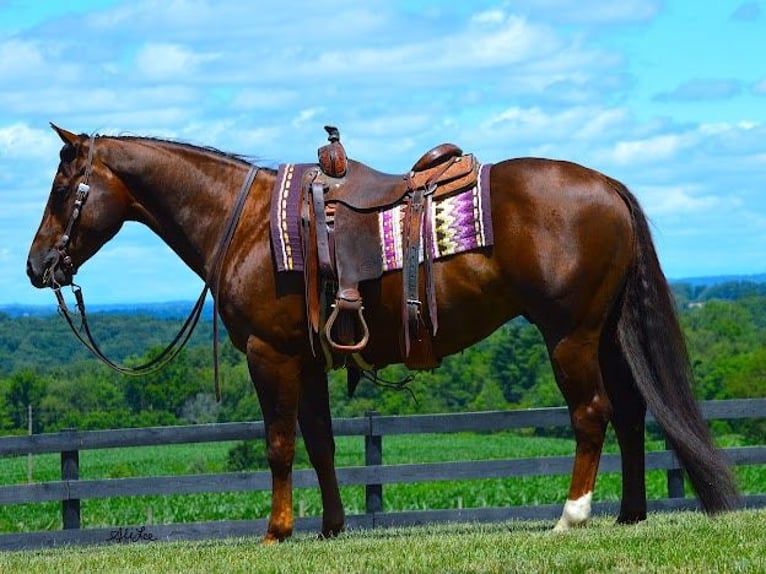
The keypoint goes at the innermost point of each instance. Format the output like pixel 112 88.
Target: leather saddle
pixel 342 199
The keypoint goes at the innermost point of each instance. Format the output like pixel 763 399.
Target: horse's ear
pixel 67 137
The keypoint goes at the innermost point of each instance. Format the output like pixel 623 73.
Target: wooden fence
pixel 70 490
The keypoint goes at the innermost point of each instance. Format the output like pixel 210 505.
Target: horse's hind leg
pixel 628 423
pixel 316 427
pixel 276 378
pixel 578 374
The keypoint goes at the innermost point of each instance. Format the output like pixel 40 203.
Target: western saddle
pixel 341 241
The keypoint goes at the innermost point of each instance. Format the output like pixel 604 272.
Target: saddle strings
pixel 400 385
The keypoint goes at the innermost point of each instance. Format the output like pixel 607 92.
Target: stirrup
pixel 355 347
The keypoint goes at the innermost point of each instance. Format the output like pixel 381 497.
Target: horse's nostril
pixel 35 275
pixel 39 267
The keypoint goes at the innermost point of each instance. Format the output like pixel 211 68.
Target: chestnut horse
pixel 572 252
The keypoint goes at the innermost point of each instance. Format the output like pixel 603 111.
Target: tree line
pixel 43 366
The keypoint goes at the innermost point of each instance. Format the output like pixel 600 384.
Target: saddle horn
pixel 332 157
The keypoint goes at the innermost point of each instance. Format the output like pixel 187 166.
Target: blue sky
pixel 667 96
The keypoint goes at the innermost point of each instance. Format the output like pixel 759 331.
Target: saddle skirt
pixel 462 221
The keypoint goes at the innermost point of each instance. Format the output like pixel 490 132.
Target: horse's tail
pixel 653 344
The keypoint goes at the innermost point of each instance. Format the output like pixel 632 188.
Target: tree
pixel 83 397
pixel 25 388
pixel 166 390
pixel 6 422
pixel 490 398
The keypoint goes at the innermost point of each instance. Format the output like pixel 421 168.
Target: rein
pixel 152 366
pixel 213 283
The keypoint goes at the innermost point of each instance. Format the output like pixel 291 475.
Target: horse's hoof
pixel 564 525
pixel 330 532
pixel 631 518
pixel 271 538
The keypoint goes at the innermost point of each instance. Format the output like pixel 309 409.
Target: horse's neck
pixel 185 195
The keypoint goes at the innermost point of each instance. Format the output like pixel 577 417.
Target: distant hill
pixel 166 310
pixel 718 279
pixel 701 287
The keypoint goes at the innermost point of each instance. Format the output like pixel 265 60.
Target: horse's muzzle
pixel 47 270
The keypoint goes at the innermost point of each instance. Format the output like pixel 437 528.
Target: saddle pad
pixel 285 216
pixel 462 221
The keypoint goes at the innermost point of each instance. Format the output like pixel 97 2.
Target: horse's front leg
pixel 316 426
pixel 277 380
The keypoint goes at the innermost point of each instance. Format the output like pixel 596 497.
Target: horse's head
pixel 86 207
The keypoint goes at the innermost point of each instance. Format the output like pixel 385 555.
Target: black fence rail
pixel 374 475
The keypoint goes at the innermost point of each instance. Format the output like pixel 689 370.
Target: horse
pixel 572 253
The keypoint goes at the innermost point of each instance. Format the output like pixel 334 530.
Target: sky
pixel 668 96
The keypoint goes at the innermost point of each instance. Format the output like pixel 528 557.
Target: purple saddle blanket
pixel 461 222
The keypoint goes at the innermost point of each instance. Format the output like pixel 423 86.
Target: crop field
pixel 212 457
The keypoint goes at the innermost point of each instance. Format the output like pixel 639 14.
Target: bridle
pixel 79 200
pixel 171 351
pixel 62 257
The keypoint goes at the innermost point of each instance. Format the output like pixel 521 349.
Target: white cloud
pixel 18 58
pixel 675 199
pixel 493 41
pixel 263 98
pixel 305 116
pixel 55 103
pixel 504 41
pixel 535 123
pixel 174 15
pixel 169 61
pixel 652 149
pixel 603 122
pixel 495 16
pixel 595 11
pixel 19 141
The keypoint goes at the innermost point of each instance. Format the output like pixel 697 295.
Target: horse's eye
pixel 67 154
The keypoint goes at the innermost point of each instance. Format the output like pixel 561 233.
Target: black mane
pixel 210 149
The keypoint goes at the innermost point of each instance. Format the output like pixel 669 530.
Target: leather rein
pixel 213 283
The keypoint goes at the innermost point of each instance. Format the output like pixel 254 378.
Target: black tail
pixel 654 347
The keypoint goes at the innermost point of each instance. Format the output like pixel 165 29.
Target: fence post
pixel 70 470
pixel 675 478
pixel 373 456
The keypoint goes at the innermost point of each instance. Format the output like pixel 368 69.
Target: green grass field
pixel 191 459
pixel 678 542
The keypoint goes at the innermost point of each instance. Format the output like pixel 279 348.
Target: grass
pixel 193 459
pixel 678 542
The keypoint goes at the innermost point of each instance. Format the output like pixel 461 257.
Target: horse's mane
pixel 184 144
